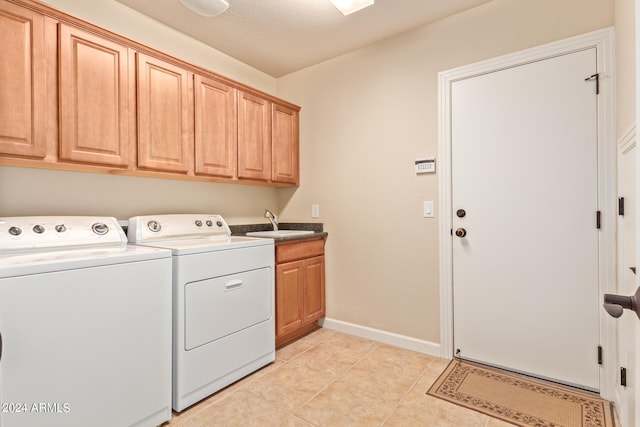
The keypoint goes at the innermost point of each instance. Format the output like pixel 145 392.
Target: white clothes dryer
pixel 85 325
pixel 223 301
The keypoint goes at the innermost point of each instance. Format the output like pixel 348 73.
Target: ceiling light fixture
pixel 207 8
pixel 349 6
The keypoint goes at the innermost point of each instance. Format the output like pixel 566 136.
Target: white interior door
pixel 524 169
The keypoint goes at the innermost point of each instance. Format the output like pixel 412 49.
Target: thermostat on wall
pixel 426 165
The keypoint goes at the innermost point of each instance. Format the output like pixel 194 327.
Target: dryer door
pixel 222 306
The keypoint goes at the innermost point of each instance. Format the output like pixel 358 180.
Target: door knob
pixel 461 232
pixel 615 304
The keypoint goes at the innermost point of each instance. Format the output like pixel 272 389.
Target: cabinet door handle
pixel 233 284
pixel 0 345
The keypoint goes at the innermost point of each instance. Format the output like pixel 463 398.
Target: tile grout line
pixel 335 379
pixel 406 393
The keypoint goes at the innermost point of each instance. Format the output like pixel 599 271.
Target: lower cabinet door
pixel 289 297
pixel 313 289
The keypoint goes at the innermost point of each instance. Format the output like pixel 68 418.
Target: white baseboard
pixel 390 338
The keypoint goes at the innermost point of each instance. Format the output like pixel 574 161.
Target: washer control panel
pixel 42 232
pixel 179 226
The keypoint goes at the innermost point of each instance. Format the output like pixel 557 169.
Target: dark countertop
pixel 317 228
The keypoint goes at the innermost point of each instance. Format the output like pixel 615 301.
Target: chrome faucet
pixel 271 217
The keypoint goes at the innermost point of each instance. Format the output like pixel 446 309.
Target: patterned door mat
pixel 519 399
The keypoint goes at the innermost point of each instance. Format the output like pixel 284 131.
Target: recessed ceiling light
pixel 349 6
pixel 206 7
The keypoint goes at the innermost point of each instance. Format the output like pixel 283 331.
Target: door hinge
pixel 623 377
pixel 595 77
pixel 598 215
pixel 621 206
pixel 599 355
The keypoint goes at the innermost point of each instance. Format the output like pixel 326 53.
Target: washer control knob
pixel 219 223
pixel 60 228
pixel 15 231
pixel 154 226
pixel 198 223
pixel 209 223
pixel 38 229
pixel 100 228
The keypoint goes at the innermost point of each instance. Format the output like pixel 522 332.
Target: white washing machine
pixel 85 325
pixel 223 301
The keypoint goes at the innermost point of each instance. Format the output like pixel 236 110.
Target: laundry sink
pixel 279 233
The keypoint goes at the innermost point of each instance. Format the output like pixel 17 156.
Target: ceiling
pixel 279 37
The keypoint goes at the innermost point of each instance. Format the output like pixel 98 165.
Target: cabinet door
pixel 254 137
pixel 289 297
pixel 165 135
pixel 284 143
pixel 95 96
pixel 216 128
pixel 22 82
pixel 314 305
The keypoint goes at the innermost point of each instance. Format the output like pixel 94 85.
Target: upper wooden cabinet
pixel 254 137
pixel 77 97
pixel 216 128
pixel 267 140
pixel 22 82
pixel 284 144
pixel 96 99
pixel 165 135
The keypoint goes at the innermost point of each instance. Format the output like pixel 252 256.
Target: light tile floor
pixel 333 379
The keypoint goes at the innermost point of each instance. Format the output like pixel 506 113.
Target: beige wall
pixel 43 192
pixel 625 66
pixel 366 116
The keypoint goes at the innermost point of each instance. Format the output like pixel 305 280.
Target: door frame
pixel 625 145
pixel 603 41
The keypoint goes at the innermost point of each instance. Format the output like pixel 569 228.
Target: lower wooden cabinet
pixel 300 299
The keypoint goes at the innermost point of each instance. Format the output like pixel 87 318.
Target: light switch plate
pixel 428 209
pixel 315 211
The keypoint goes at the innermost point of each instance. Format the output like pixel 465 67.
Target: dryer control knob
pixel 154 226
pixel 209 223
pixel 15 231
pixel 198 223
pixel 60 228
pixel 38 229
pixel 100 228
